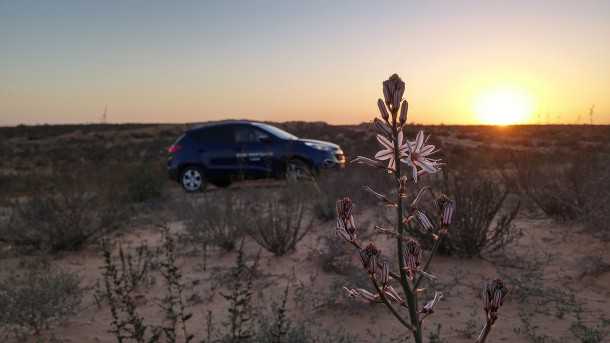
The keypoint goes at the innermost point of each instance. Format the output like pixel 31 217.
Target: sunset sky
pixel 464 62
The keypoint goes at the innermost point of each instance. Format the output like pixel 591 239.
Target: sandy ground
pixel 558 274
pixel 545 268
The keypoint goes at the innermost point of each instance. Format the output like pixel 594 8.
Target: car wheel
pixel 297 170
pixel 192 179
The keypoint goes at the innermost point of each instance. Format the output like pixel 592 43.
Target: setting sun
pixel 503 106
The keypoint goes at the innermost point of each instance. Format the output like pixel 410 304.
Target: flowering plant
pixel 412 266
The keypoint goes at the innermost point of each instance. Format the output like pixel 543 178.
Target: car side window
pixel 216 135
pixel 246 134
pixel 261 136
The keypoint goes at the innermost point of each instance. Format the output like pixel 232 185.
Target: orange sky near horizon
pixel 314 61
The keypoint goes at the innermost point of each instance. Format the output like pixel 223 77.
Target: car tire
pixel 298 170
pixel 193 179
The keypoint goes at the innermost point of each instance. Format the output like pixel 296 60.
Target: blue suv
pixel 221 152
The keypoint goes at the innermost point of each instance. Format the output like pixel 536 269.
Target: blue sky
pixel 152 61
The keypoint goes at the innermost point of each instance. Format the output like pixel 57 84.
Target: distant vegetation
pixel 82 196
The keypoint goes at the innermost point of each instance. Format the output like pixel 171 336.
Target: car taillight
pixel 174 148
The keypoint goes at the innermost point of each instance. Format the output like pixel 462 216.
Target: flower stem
pixel 410 296
pixel 392 309
pixel 483 335
pixel 428 261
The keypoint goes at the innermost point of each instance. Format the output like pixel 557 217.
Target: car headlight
pixel 319 146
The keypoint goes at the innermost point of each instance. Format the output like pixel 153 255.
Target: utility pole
pixel 591 112
pixel 105 115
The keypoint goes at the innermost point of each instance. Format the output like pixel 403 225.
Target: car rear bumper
pixel 173 171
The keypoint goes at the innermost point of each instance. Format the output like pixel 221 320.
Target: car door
pixel 218 150
pixel 255 150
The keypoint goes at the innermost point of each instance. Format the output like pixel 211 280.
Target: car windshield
pixel 276 132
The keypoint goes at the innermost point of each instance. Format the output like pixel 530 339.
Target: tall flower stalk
pixel 403 302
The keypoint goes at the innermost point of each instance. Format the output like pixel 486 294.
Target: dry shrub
pixel 567 187
pixel 334 256
pixel 118 293
pixel 483 222
pixel 134 267
pixel 145 182
pixel 278 220
pixel 217 219
pixel 556 186
pixel 278 327
pixel 329 187
pixel 120 281
pixel 480 200
pixel 597 202
pixel 240 296
pixel 340 183
pixel 64 217
pixel 35 297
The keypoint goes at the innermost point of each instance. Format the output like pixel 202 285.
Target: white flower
pixel 388 152
pixel 418 157
pixel 429 307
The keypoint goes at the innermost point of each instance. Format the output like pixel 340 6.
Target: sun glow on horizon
pixel 503 106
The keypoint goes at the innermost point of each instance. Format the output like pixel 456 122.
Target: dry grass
pixel 36 157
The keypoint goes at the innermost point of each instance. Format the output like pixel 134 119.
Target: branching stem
pixel 437 243
pixel 389 305
pixel 483 335
pixel 409 294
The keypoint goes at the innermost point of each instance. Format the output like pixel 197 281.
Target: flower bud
pixel 403 112
pixel 383 274
pixel 380 196
pixel 363 293
pixel 369 256
pixel 344 208
pixel 393 295
pixel 493 298
pixel 412 257
pixel 423 220
pixel 346 227
pixel 446 208
pixel 382 127
pixel 393 89
pixel 383 110
pixel 367 162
